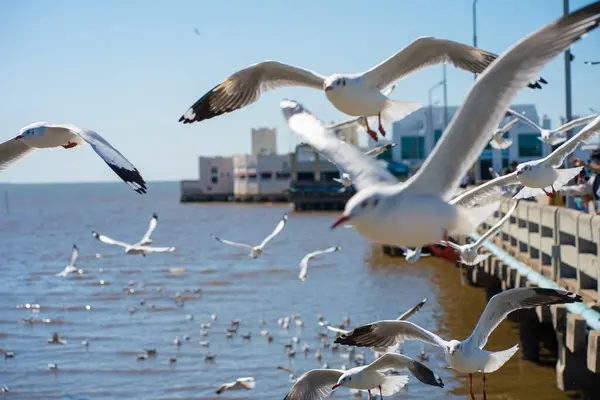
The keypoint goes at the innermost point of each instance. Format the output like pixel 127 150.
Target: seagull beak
pixel 329 88
pixel 337 385
pixel 340 220
pixel 452 351
pixel 519 173
pixel 19 137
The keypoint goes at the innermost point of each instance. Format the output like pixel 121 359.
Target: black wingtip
pixel 155 216
pixel 559 296
pixel 75 246
pixel 426 375
pixel 95 234
pixel 352 338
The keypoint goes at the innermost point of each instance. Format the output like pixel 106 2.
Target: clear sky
pixel 128 69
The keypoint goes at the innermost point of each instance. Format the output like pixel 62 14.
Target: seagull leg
pixel 69 145
pixel 445 238
pixel 380 393
pixel 370 131
pixel 471 387
pixel 553 191
pixel 551 194
pixel 484 393
pixel 370 398
pixel 381 130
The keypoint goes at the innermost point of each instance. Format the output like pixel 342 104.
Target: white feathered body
pixel 471 359
pixel 255 252
pixel 540 176
pixel 357 99
pixel 42 138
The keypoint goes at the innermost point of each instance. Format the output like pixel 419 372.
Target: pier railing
pixel 560 243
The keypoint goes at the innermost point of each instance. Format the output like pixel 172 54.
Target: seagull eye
pixel 375 202
pixel 363 204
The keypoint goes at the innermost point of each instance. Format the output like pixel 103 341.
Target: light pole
pixel 445 97
pixel 568 111
pixel 474 28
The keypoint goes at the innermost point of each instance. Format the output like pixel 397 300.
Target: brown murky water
pixel 136 307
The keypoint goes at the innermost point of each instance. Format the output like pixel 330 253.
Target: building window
pixel 306 176
pixel 251 177
pixel 530 145
pixel 413 147
pixel 214 179
pixel 266 175
pixel 214 170
pixel 437 134
pixel 282 175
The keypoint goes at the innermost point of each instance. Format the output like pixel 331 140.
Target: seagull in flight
pixel 41 135
pixel 544 176
pixel 466 356
pixel 498 141
pixel 412 256
pixel 71 266
pixel 555 136
pixel 256 251
pixel 309 256
pixel 317 384
pixel 358 95
pixel 345 180
pixel 469 252
pixel 239 384
pixel 140 247
pixel 417 212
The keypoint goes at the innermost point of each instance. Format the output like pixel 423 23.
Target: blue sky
pixel 129 69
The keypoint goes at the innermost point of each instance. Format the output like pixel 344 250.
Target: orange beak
pixel 337 385
pixel 340 220
pixel 329 88
pixel 452 351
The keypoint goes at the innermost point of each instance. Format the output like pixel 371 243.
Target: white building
pixel 417 134
pixel 261 174
pixel 216 175
pixel 264 141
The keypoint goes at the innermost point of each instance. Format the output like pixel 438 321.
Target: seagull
pixel 319 383
pixel 498 142
pixel 417 211
pixel 345 180
pixel 292 373
pixel 360 121
pixel 309 256
pixel 394 347
pixel 71 266
pixel 41 135
pixel 239 384
pixel 358 95
pixel 543 176
pixel 556 136
pixel 465 356
pixel 256 251
pixel 469 252
pixel 412 256
pixel 140 247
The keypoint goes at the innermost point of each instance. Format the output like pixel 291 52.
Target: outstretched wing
pixel 399 362
pixel 575 123
pixel 229 242
pixel 523 118
pixel 111 156
pixel 107 240
pixel 11 151
pixel 149 249
pixel 409 313
pixel 363 170
pixel 74 256
pixel 316 384
pixel 306 259
pixel 151 227
pixel 494 229
pixel 387 333
pixel 557 157
pixel 479 193
pixel 245 87
pixel 275 232
pixel 508 301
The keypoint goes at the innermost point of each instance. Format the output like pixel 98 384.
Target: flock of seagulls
pixel 424 209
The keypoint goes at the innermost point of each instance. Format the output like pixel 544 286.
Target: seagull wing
pixel 111 156
pixel 151 228
pixel 229 242
pixel 247 382
pixel 494 229
pixel 409 313
pixel 399 362
pixel 149 249
pixel 493 172
pixel 245 87
pixel 508 301
pixel 359 121
pixel 364 170
pixel 557 157
pixel 575 123
pixel 374 152
pixel 288 370
pixel 11 151
pixel 275 232
pixel 479 193
pixel 224 387
pixel 306 259
pixel 494 90
pixel 107 240
pixel 387 333
pixel 316 384
pixel 336 330
pixel 523 118
pixel 427 51
pixel 510 124
pixel 74 256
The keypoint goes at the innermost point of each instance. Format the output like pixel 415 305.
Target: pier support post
pixel 529 334
pixel 593 352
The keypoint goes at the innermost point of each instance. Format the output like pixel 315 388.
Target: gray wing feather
pixel 11 151
pixel 316 384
